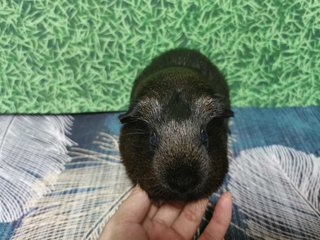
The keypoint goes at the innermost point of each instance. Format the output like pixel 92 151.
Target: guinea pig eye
pixel 204 136
pixel 153 139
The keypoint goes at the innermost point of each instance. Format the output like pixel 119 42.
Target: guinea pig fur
pixel 173 140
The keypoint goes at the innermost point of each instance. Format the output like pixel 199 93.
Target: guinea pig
pixel 173 141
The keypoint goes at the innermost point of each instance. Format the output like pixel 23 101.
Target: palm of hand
pixel 138 219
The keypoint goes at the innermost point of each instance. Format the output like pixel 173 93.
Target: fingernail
pixel 228 194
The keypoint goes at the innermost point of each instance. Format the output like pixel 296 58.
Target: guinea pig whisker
pixel 137 130
pixel 156 190
pixel 156 187
pixel 135 133
pixel 148 178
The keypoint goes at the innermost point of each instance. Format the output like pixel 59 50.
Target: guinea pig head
pixel 176 148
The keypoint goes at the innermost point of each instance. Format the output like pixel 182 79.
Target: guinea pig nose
pixel 183 178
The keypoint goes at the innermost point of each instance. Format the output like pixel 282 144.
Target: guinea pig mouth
pixel 182 181
pixel 168 195
pixel 191 189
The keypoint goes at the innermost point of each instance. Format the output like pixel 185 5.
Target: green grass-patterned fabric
pixel 81 56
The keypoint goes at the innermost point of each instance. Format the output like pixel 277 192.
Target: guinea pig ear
pixel 129 116
pixel 225 113
pixel 220 110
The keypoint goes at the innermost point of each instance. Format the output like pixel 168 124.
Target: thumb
pixel 220 220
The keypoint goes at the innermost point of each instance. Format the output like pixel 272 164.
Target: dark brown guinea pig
pixel 173 141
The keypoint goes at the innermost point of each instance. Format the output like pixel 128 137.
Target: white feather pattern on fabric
pixel 33 151
pixel 278 191
pixel 84 197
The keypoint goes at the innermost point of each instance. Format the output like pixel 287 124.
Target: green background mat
pixel 63 56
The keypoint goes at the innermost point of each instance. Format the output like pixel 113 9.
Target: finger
pixel 152 211
pixel 189 219
pixel 220 220
pixel 168 213
pixel 134 208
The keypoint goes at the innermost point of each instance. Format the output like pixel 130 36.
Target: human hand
pixel 138 219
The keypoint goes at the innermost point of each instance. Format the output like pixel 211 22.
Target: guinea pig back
pixel 173 140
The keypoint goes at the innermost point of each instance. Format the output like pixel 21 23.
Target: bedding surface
pixel 61 176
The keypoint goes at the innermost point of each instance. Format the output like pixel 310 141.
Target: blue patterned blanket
pixel 61 177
